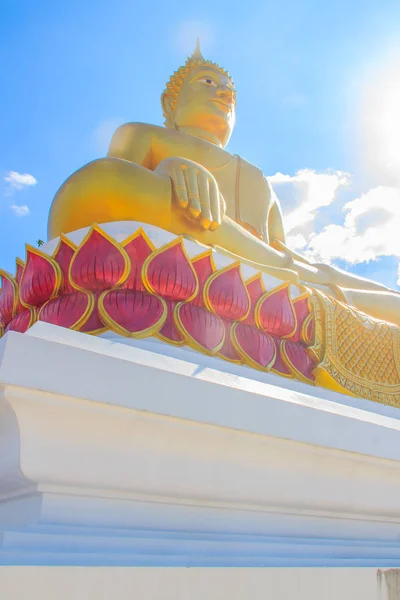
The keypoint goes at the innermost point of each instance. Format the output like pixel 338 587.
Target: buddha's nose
pixel 225 92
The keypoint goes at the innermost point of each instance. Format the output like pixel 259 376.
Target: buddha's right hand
pixel 195 190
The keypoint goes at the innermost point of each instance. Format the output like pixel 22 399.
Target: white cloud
pixel 370 229
pixel 296 242
pixel 311 191
pixel 365 228
pixel 20 210
pixel 18 181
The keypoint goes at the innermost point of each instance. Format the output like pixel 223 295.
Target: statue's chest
pixel 245 193
pixel 190 148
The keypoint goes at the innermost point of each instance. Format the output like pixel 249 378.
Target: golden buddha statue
pixel 181 178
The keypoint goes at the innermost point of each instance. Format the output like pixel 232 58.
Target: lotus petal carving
pixel 226 295
pixel 132 313
pixel 138 247
pixel 41 278
pixel 279 367
pixel 169 331
pixel 204 267
pixel 275 313
pixel 69 310
pixel 63 255
pixel 256 348
pixel 138 291
pixel 302 311
pixel 22 321
pixel 19 269
pixel 307 331
pixel 169 273
pixel 297 360
pixel 227 350
pixel 202 330
pixel 94 324
pixel 99 263
pixel 8 298
pixel 255 289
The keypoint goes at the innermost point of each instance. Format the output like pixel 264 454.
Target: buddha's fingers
pixel 194 207
pixel 214 205
pixel 180 187
pixel 204 189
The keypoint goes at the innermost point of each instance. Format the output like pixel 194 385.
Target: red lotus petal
pixel 69 310
pixel 138 247
pixel 256 348
pixel 63 255
pixel 94 324
pixel 297 360
pixel 131 312
pixel 279 366
pixel 255 289
pixel 8 298
pixel 201 329
pixel 307 334
pixel 169 332
pixel 228 351
pixel 302 311
pixel 22 321
pixel 275 314
pixel 226 294
pixel 168 272
pixel 204 267
pixel 19 269
pixel 41 278
pixel 99 263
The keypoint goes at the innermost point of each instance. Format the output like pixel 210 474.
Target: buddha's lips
pixel 227 106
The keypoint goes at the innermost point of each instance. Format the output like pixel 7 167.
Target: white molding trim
pixel 118 455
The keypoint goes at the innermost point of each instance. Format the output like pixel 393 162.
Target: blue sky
pixel 313 81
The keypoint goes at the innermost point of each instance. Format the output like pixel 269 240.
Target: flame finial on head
pixel 175 82
pixel 197 55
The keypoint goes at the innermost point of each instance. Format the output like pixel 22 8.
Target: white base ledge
pixel 48 583
pixel 117 455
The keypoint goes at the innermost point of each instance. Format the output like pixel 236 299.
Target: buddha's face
pixel 206 101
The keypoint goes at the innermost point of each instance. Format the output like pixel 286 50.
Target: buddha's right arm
pixel 235 239
pixel 132 142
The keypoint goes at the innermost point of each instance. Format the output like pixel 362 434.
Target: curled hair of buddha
pixel 176 80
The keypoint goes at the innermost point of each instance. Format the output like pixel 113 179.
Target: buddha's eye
pixel 208 81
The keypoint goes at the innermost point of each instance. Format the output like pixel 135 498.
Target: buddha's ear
pixel 168 111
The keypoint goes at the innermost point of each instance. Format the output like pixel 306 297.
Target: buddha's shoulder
pixel 133 129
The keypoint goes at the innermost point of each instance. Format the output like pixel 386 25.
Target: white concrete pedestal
pixel 120 456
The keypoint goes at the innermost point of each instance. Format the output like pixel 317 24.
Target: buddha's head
pixel 200 97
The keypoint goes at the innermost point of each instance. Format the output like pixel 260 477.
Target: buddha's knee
pixel 104 170
pixel 110 189
pixel 122 175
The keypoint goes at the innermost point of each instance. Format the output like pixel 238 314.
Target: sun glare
pixel 381 121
